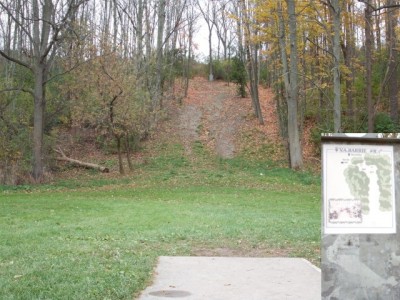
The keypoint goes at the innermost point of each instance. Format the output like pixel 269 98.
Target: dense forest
pixel 111 65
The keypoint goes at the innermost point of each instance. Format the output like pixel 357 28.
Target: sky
pixel 201 41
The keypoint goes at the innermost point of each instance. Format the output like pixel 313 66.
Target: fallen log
pixel 79 163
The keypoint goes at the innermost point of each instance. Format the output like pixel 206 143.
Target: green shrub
pixel 239 75
pixel 221 69
pixel 384 124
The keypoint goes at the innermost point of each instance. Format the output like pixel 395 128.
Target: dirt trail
pixel 206 115
pixel 189 122
pixel 214 114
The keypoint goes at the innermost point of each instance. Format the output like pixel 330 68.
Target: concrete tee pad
pixel 222 278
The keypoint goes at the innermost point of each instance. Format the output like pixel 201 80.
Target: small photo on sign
pixel 345 211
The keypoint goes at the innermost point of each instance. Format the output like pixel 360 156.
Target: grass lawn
pixel 94 238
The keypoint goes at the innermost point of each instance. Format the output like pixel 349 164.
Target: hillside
pixel 212 116
pixel 222 121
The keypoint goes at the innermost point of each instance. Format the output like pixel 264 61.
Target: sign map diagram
pixel 358 189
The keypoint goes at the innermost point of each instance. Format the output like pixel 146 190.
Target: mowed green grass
pixel 100 239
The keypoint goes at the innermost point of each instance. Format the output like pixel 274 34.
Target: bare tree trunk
pixel 378 26
pixel 191 20
pixel 115 33
pixel 148 41
pixel 393 62
pixel 41 38
pixel 252 65
pixel 348 52
pixel 336 11
pixel 208 15
pixel 239 32
pixel 210 63
pixel 368 64
pixel 296 159
pixel 139 36
pixel 160 41
pixel 120 163
pixel 38 123
pixel 128 152
pixel 252 62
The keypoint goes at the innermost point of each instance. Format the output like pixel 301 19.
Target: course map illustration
pixel 358 189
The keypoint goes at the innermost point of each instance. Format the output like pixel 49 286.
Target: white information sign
pixel 358 191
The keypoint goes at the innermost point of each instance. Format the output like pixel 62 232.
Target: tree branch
pixel 327 3
pixel 15 60
pixel 319 47
pixel 29 91
pixel 374 8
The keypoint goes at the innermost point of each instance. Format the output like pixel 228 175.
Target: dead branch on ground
pixel 79 163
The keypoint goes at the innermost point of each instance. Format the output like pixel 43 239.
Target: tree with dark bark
pixel 336 9
pixel 393 61
pixel 250 49
pixel 291 82
pixel 44 24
